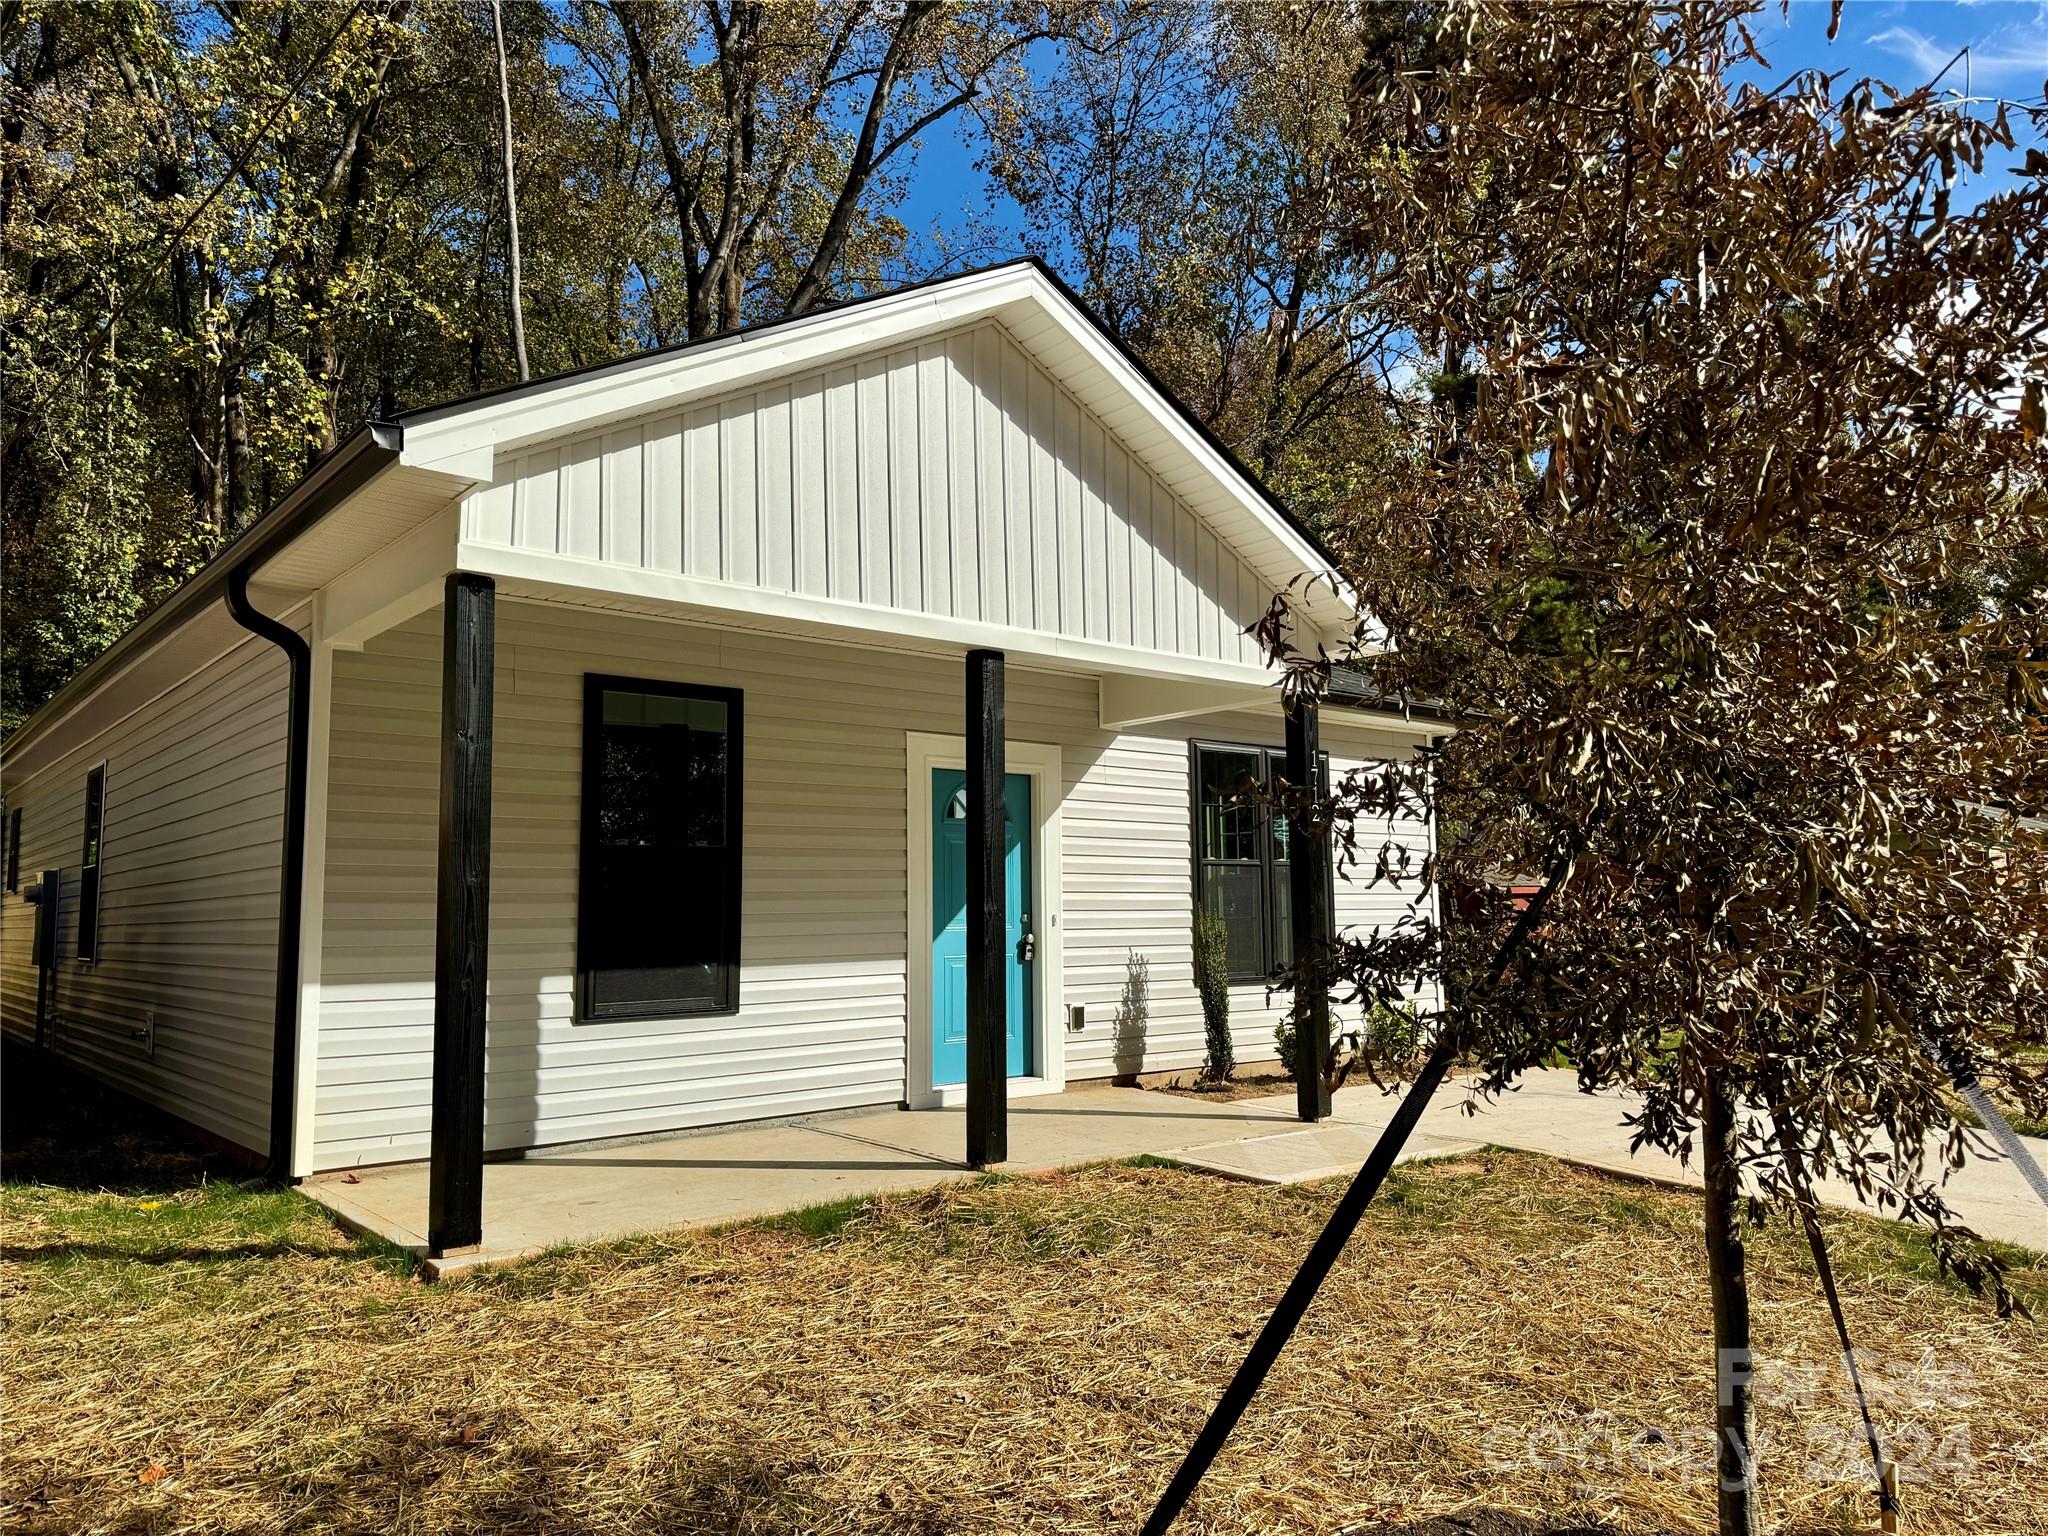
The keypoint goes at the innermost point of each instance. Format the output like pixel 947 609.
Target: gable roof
pixel 466 437
pixel 454 443
pixel 424 418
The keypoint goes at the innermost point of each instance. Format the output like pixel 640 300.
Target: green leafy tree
pixel 1733 399
pixel 1181 162
pixel 233 233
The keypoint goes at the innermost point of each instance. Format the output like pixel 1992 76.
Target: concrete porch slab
pixel 707 1178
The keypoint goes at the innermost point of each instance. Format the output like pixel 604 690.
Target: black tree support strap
pixel 1322 1258
pixel 1817 1243
pixel 284 1050
pixel 1301 1290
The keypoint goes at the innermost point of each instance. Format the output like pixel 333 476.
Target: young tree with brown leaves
pixel 1717 544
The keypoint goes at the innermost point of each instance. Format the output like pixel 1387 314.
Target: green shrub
pixel 1212 981
pixel 1283 1043
pixel 1391 1037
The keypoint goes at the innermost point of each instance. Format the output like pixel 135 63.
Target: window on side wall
pixel 89 865
pixel 14 850
pixel 658 891
pixel 1241 864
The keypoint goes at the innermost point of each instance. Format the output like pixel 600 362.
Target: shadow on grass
pixel 110 1181
pixel 525 1487
pixel 61 1253
pixel 61 1129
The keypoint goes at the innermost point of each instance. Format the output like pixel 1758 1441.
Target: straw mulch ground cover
pixel 1016 1355
pixel 1251 1085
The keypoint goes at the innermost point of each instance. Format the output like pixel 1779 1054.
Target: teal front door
pixel 949 924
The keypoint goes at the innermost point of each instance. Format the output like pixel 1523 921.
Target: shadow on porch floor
pixel 706 1178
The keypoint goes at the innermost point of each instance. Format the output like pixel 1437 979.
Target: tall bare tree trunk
pixel 511 189
pixel 1734 1408
pixel 235 514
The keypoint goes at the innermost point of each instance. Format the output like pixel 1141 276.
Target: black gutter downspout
pixel 284 1051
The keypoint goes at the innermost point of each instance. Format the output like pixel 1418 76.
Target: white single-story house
pixel 658 709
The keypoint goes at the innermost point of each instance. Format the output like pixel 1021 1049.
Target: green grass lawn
pixel 187 1351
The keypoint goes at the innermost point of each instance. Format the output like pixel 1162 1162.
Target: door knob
pixel 1027 947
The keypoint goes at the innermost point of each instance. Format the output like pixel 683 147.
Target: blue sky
pixel 1903 42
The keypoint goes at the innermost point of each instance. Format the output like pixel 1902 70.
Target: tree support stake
pixel 1301 1290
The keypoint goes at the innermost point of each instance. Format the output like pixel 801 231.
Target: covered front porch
pixel 985 799
pixel 608 1190
pixel 830 720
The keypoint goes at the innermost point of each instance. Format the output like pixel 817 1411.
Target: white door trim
pixel 1041 761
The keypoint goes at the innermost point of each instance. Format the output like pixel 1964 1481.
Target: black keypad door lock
pixel 1027 947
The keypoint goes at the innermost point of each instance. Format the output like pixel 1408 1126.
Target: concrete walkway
pixel 703 1178
pixel 1548 1114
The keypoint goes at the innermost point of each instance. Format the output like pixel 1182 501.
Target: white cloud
pixel 2009 53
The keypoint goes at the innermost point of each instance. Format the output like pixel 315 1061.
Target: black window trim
pixel 14 849
pixel 1272 760
pixel 595 685
pixel 93 840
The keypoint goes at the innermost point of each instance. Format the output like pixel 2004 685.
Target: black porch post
pixel 988 1112
pixel 462 910
pixel 1308 886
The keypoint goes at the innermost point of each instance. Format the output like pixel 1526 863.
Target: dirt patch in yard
pixel 1259 1085
pixel 1509 1340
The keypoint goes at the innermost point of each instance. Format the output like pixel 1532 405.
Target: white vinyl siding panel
pixel 189 865
pixel 954 477
pixel 823 1016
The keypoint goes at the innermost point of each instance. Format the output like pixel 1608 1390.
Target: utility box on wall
pixel 48 896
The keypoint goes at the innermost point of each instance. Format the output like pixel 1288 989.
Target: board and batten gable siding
pixel 823 1008
pixel 190 845
pixel 953 477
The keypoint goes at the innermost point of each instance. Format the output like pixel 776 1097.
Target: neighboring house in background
pixel 731 587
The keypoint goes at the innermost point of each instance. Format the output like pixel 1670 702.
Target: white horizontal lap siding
pixel 954 477
pixel 822 1016
pixel 1130 887
pixel 190 851
pixel 821 1023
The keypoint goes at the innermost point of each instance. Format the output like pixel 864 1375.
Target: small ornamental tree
pixel 1721 538
pixel 1212 984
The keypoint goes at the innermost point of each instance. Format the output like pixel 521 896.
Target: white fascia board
pixel 1300 552
pixel 464 438
pixel 1385 720
pixel 573 579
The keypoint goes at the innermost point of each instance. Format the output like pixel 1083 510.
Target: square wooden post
pixel 988 1116
pixel 462 913
pixel 1308 885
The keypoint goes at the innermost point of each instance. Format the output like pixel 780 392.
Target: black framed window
pixel 14 849
pixel 1240 849
pixel 89 865
pixel 658 895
